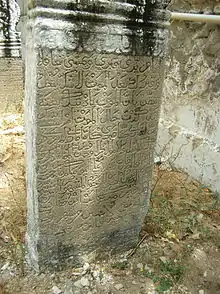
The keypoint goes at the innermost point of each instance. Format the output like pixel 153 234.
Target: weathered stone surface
pixel 93 86
pixel 11 86
pixel 189 128
pixel 196 6
pixel 11 76
pixel 9 36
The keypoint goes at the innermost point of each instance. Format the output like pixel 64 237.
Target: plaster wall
pixel 189 130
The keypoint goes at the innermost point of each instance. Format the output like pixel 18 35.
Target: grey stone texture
pixel 11 86
pixel 189 123
pixel 94 74
pixel 11 76
pixel 9 36
pixel 194 6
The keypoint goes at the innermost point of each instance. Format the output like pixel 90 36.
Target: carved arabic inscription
pixel 97 121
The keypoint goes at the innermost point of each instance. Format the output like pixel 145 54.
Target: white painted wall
pixel 190 114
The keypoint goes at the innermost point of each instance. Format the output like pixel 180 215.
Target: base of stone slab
pixel 52 255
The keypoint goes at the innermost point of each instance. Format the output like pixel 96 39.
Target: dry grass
pixel 182 207
pixel 183 219
pixel 12 191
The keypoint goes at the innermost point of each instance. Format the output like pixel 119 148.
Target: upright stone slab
pixel 94 73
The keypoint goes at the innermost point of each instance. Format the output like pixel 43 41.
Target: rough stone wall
pixel 11 85
pixel 195 6
pixel 189 132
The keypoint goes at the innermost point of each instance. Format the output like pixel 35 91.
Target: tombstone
pixel 94 74
pixel 9 36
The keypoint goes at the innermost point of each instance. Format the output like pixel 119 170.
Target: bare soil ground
pixel 178 252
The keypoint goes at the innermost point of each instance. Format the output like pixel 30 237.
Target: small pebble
pixel 5 266
pixel 163 259
pixel 84 282
pixel 148 269
pixel 68 288
pixel 56 290
pixel 86 266
pixel 199 217
pixel 78 284
pixel 140 265
pixel 119 286
pixel 95 274
pixel 201 292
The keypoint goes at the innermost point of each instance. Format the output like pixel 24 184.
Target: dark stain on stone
pixel 5 19
pixel 9 37
pixel 116 238
pixel 146 42
pixel 139 21
pixel 7 30
pixel 65 252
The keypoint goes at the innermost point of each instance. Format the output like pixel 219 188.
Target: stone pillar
pixel 9 36
pixel 94 74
